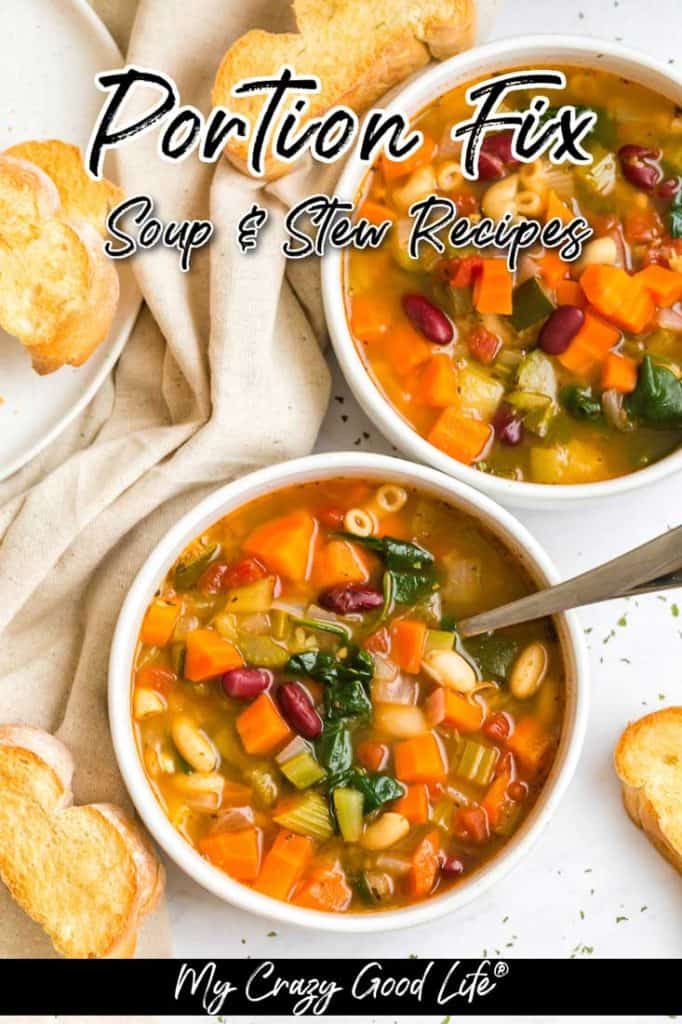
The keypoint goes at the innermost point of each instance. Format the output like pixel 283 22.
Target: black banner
pixel 349 987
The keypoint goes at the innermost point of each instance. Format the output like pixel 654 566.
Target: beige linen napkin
pixel 238 382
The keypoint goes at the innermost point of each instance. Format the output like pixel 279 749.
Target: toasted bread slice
pixel 359 50
pixel 648 761
pixel 58 290
pixel 79 194
pixel 86 874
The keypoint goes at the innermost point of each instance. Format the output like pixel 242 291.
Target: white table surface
pixel 592 885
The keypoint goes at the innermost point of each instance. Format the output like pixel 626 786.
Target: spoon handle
pixel 653 566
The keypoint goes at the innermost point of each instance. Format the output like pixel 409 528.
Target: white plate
pixel 51 50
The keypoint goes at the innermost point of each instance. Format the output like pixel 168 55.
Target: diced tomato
pixel 471 824
pixel 662 251
pixel 211 579
pixel 462 272
pixel 466 203
pixel 379 642
pixel 643 226
pixel 154 677
pixel 248 570
pixel 332 518
pixel 484 345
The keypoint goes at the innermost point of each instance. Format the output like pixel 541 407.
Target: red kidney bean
pixel 297 708
pixel 517 791
pixel 245 683
pixel 427 318
pixel 451 867
pixel 508 425
pixel 669 188
pixel 350 597
pixel 497 726
pixel 560 329
pixel 638 166
pixel 490 166
pixel 499 146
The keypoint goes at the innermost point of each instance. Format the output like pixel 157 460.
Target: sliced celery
pixel 348 805
pixel 324 626
pixel 262 651
pixel 279 623
pixel 307 815
pixel 303 770
pixel 476 762
pixel 439 640
pixel 254 597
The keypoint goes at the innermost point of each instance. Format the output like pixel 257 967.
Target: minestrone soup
pixel 558 373
pixel 310 720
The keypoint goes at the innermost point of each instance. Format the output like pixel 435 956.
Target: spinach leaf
pixel 657 399
pixel 325 668
pixel 396 554
pixel 493 654
pixel 580 403
pixel 347 699
pixel 334 747
pixel 675 214
pixel 409 587
pixel 376 789
pixel 186 574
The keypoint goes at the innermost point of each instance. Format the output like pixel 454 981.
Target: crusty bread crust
pixel 358 50
pixel 86 874
pixel 648 761
pixel 58 289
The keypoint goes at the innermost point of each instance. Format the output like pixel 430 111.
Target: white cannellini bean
pixel 147 703
pixel 202 791
pixel 194 744
pixel 528 671
pixel 400 721
pixel 387 830
pixel 450 669
pixel 602 251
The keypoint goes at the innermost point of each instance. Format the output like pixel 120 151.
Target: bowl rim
pixel 322 466
pixel 412 98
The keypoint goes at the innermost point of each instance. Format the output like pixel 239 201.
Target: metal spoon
pixel 656 565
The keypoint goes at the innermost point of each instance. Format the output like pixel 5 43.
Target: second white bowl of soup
pixel 559 382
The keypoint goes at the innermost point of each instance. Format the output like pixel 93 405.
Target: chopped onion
pixel 384 668
pixel 297 746
pixel 398 690
pixel 401 721
pixel 669 319
pixel 233 819
pixel 395 865
pixel 612 405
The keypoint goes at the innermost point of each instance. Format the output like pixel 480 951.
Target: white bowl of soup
pixel 559 381
pixel 298 721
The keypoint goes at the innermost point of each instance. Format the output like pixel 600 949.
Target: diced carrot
pixel 407 643
pixel 450 707
pixel 493 288
pixel 665 285
pixel 419 158
pixel 325 888
pixel 619 373
pixel 376 213
pixel 372 755
pixel 425 862
pixel 261 727
pixel 208 655
pixel 530 743
pixel 471 824
pixel 590 346
pixel 285 544
pixel 159 623
pixel 414 805
pixel 371 317
pixel 618 296
pixel 378 642
pixel 234 794
pixel 236 853
pixel 495 799
pixel 552 268
pixel 284 865
pixel 569 293
pixel 484 345
pixel 461 437
pixel 406 348
pixel 339 561
pixel 557 208
pixel 154 677
pixel 420 759
pixel 437 382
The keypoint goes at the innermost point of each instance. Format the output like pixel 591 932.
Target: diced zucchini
pixel 439 640
pixel 442 814
pixel 177 654
pixel 599 176
pixel 479 392
pixel 348 805
pixel 263 651
pixel 226 625
pixel 536 374
pixel 538 410
pixel 476 762
pixel 530 304
pixel 307 815
pixel 254 597
pixel 187 571
pixel 303 770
